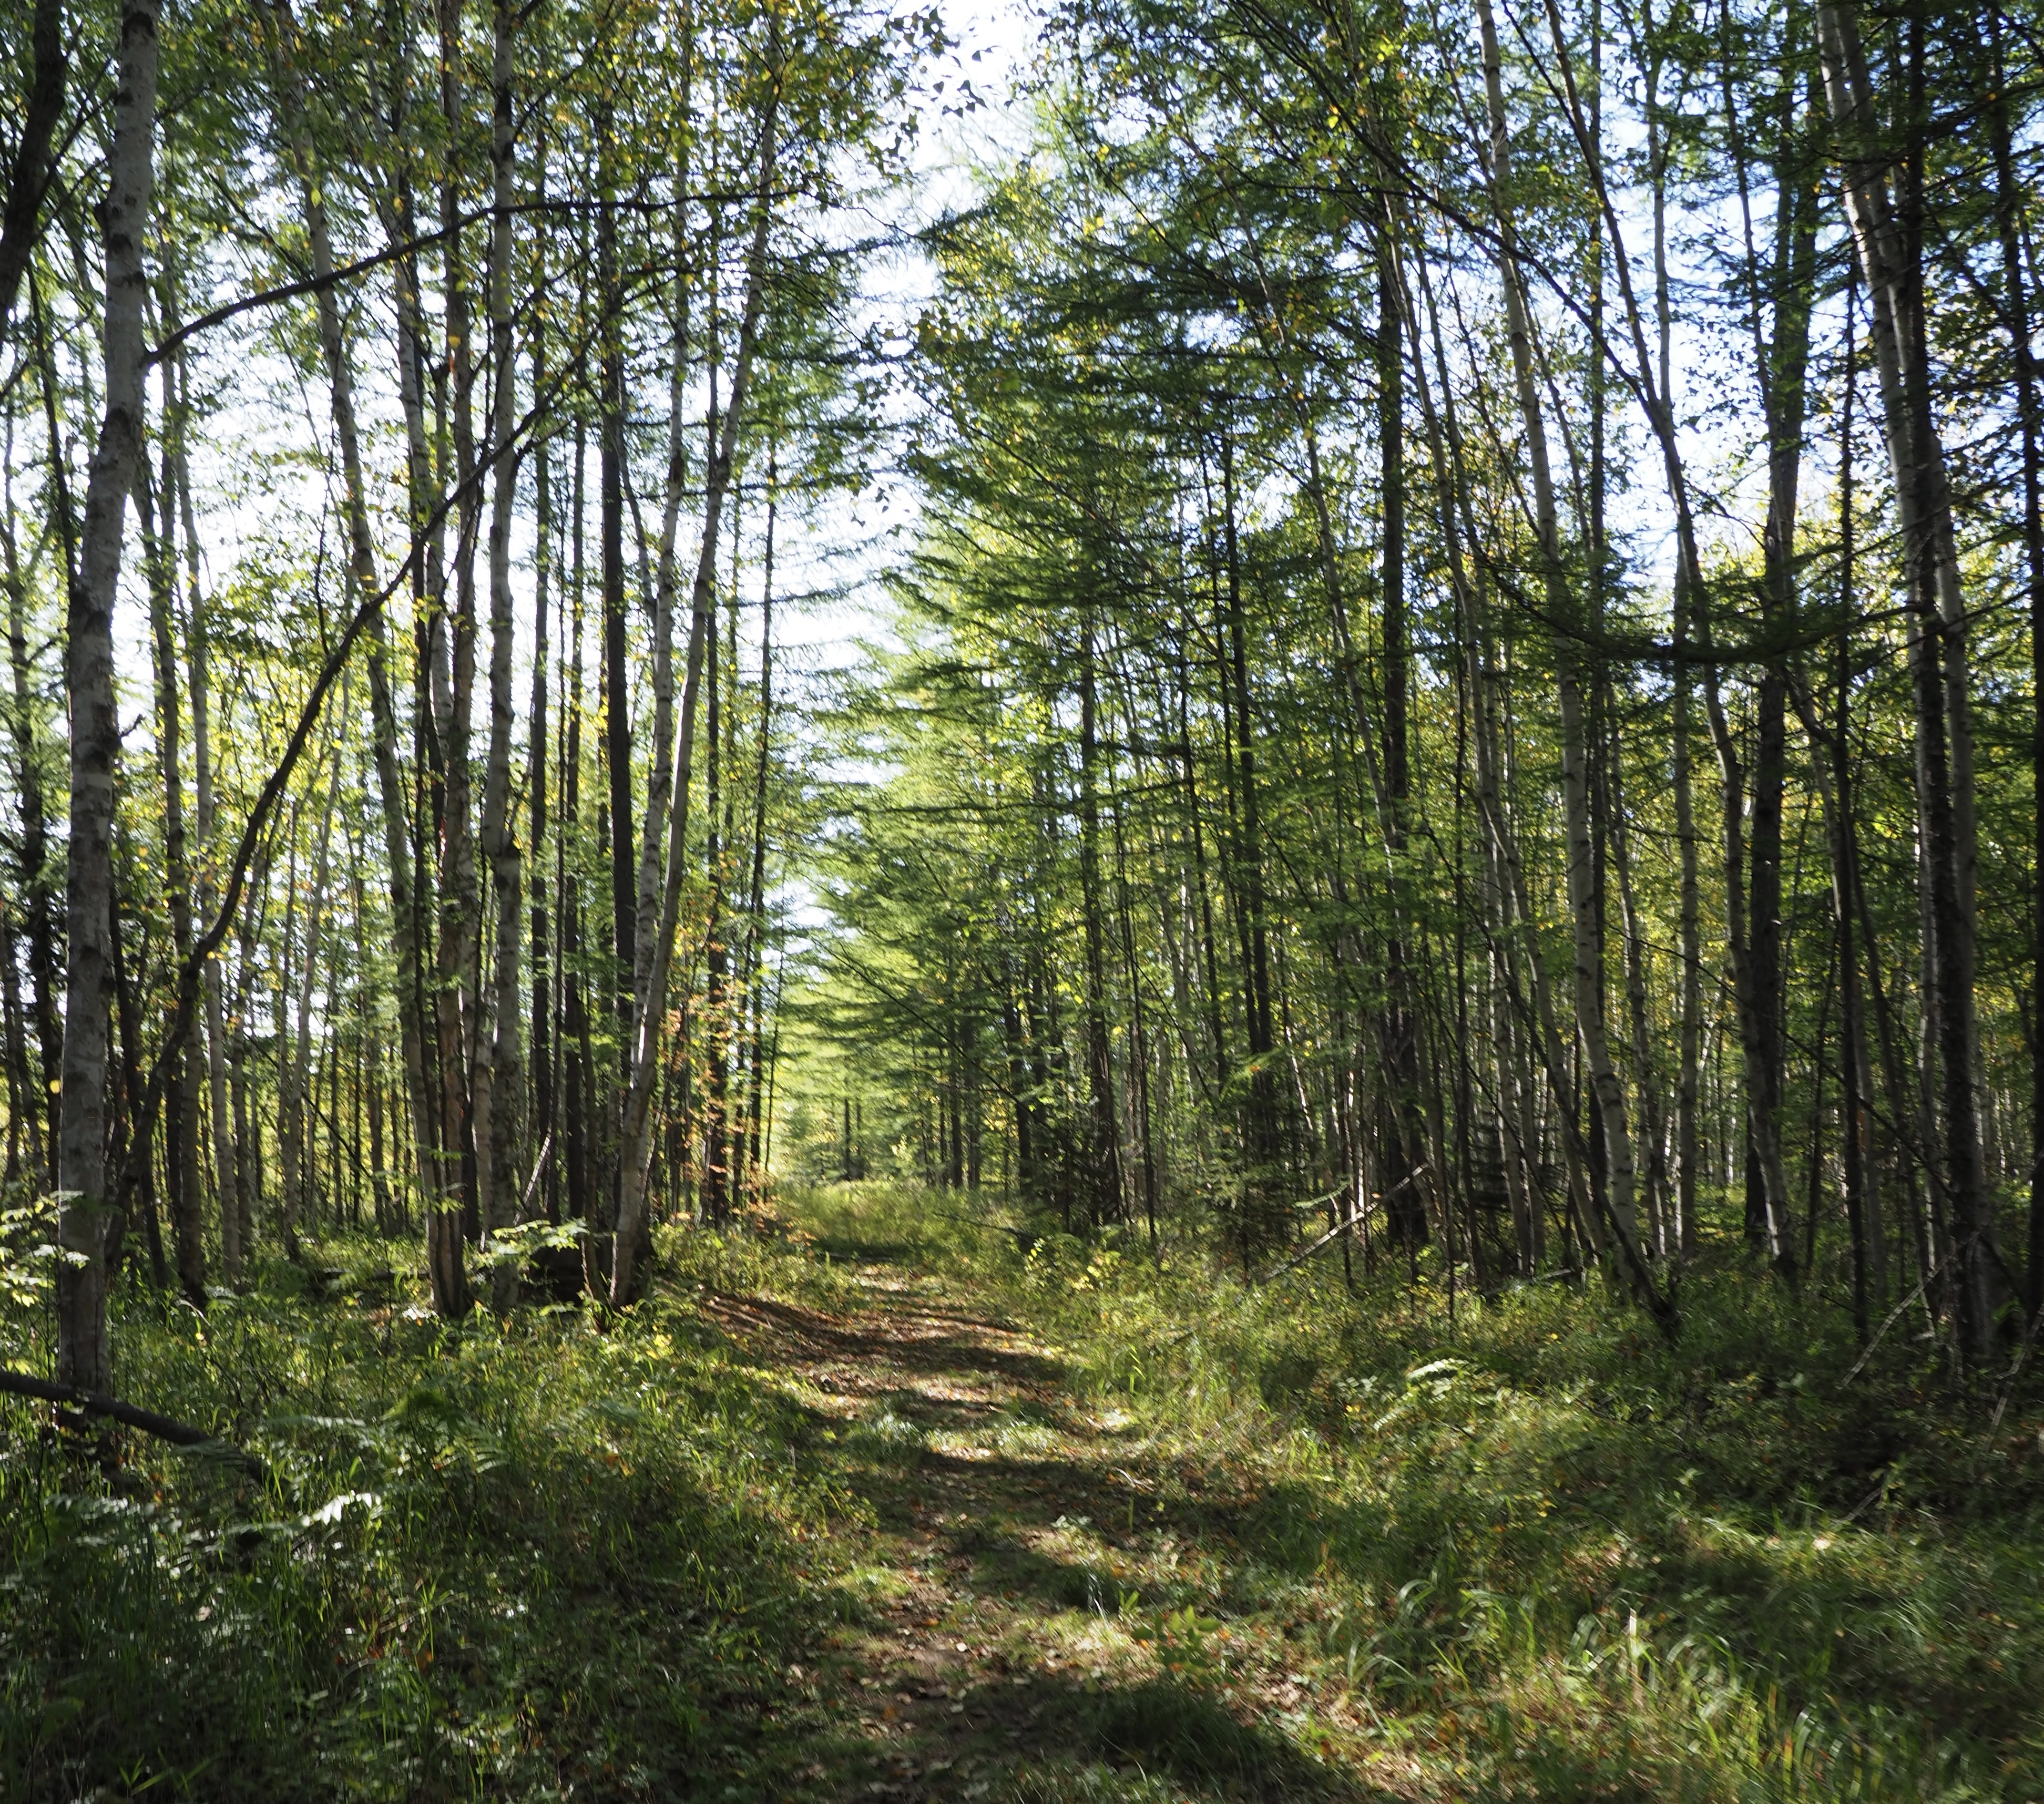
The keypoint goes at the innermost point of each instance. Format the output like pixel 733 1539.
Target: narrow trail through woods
pixel 1023 1551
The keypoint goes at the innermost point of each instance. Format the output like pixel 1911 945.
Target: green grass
pixel 522 1558
pixel 1542 1553
pixel 1332 1546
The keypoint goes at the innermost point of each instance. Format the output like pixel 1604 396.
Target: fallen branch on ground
pixel 1344 1225
pixel 164 1427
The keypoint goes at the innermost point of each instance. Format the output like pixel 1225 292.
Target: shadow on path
pixel 1010 1628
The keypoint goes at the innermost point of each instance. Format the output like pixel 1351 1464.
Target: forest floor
pixel 1023 1553
pixel 870 1507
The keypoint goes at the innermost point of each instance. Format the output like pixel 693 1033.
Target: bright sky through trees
pixel 1394 649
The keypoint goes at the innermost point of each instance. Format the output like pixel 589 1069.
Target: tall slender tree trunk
pixel 1831 771
pixel 1138 1040
pixel 617 718
pixel 24 1113
pixel 716 999
pixel 754 965
pixel 1605 1084
pixel 182 1167
pixel 636 1143
pixel 500 1067
pixel 1890 264
pixel 199 666
pixel 1763 1232
pixel 302 1142
pixel 1108 1197
pixel 290 1077
pixel 577 1073
pixel 1404 1207
pixel 87 1221
pixel 248 1175
pixel 2016 301
pixel 126 1139
pixel 536 774
pixel 1645 1079
pixel 458 1000
pixel 409 840
pixel 1650 376
pixel 1781 363
pixel 33 866
pixel 31 167
pixel 370 1080
pixel 1504 880
pixel 444 1262
pixel 1262 1137
pixel 1689 936
pixel 647 891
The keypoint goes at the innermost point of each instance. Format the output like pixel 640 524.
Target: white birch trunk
pixel 498 1065
pixel 86 1218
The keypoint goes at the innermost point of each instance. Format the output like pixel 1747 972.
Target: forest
pixel 1140 901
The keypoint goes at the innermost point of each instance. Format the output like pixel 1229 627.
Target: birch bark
pixel 86 1219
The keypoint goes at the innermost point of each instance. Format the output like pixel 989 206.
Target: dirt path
pixel 1033 1594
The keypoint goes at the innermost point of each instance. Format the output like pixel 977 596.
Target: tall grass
pixel 1541 1548
pixel 521 1558
pixel 1530 1553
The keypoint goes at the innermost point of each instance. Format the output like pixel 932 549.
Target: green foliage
pixel 532 1558
pixel 1528 1553
pixel 27 1252
pixel 1537 1547
pixel 1183 1642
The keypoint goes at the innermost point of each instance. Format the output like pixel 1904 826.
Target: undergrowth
pixel 1532 1552
pixel 536 1557
pixel 1544 1553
